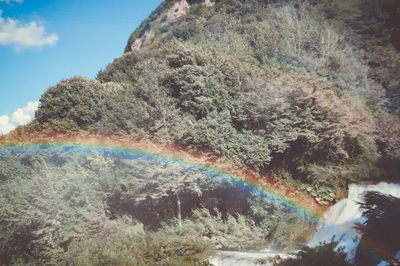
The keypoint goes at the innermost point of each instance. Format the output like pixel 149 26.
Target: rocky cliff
pixel 167 16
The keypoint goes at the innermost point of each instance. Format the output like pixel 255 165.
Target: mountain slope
pixel 274 87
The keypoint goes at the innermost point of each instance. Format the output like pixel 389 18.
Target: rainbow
pixel 163 154
pixel 129 148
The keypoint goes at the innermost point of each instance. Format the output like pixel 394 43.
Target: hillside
pixel 307 88
pixel 304 93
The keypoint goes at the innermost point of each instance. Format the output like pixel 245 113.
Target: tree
pixel 324 254
pixel 380 232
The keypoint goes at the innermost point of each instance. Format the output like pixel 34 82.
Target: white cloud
pixel 5 125
pixel 20 117
pixel 24 115
pixel 24 35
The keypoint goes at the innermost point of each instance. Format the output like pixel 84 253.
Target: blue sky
pixel 43 42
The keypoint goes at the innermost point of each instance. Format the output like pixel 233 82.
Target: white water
pixel 245 258
pixel 338 222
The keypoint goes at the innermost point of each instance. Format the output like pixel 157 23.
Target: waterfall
pixel 246 258
pixel 338 222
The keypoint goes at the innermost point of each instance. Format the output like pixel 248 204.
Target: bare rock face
pixel 177 10
pixel 209 3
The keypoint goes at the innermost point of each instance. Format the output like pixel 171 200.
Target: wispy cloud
pixel 24 35
pixel 20 117
pixel 9 1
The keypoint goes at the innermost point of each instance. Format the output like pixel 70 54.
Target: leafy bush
pixel 236 231
pixel 321 255
pixel 380 230
pixel 126 246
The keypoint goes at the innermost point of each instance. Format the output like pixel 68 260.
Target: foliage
pixel 125 245
pixel 237 87
pixel 56 197
pixel 389 143
pixel 324 254
pixel 380 230
pixel 44 211
pixel 80 105
pixel 235 232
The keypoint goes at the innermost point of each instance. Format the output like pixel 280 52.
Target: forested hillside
pixel 305 92
pixel 308 88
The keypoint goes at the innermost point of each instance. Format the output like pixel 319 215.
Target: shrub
pixel 126 246
pixel 324 254
pixel 380 230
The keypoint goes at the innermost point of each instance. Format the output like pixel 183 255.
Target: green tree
pixel 380 230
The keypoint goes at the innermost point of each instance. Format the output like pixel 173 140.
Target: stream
pixel 336 224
